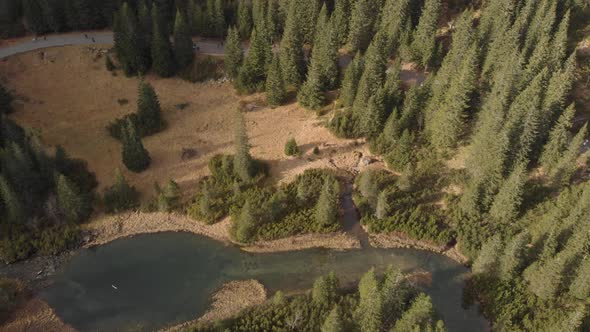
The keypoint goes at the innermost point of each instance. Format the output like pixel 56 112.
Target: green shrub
pixel 109 64
pixel 168 197
pixel 316 150
pixel 121 196
pixel 291 148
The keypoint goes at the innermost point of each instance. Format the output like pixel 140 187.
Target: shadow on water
pixel 162 279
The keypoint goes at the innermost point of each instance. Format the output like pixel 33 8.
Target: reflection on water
pixel 150 281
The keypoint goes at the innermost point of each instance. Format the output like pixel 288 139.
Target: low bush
pixel 291 148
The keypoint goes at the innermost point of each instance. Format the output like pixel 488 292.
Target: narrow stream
pixel 151 281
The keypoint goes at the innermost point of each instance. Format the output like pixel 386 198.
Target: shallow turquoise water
pixel 167 278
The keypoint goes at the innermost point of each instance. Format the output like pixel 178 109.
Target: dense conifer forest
pixel 496 95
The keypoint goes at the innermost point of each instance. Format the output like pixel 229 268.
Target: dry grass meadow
pixel 69 97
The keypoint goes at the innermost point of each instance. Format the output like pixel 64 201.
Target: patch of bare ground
pixel 106 229
pixel 71 98
pixel 232 298
pixel 400 240
pixel 109 228
pixel 337 240
pixel 35 315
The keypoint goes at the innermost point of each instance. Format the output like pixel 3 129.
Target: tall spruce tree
pixel 11 205
pixel 487 262
pixel 334 321
pixel 514 256
pixel 311 94
pixel 567 165
pixel 135 157
pixel 352 76
pixel 183 43
pixel 580 286
pixel 70 200
pixel 292 47
pixel 218 19
pixel 340 19
pixel 252 74
pixel 368 313
pixel 244 19
pixel 558 140
pixel 507 203
pixel 419 317
pixel 162 55
pixel 243 164
pixel 326 210
pixel 276 92
pixel 362 21
pixel 234 55
pixel 374 117
pixel 423 45
pixel 149 111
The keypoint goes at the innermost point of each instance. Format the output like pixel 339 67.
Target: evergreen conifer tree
pixel 276 92
pixel 243 167
pixel 70 200
pixel 244 228
pixel 244 19
pixel 419 317
pixel 373 119
pixel 580 286
pixel 423 45
pixel 368 313
pixel 234 55
pixel 507 203
pixel 291 54
pixel 558 140
pixel 333 322
pixel 121 196
pixel 514 256
pixel 162 55
pixel 10 202
pixel 326 211
pixel 340 18
pixel 325 290
pixel 567 166
pixel 218 19
pixel 311 94
pixel 135 156
pixel 352 76
pixel 148 110
pixel 183 43
pixel 362 20
pixel 487 262
pixel 252 74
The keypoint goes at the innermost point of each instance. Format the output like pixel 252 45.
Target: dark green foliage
pixel 244 19
pixel 129 45
pixel 326 210
pixel 183 43
pixel 311 94
pixel 148 118
pixel 120 196
pixel 420 316
pixel 233 51
pixel 340 19
pixel 276 92
pixel 291 148
pixel 352 76
pixel 292 47
pixel 252 74
pixel 423 46
pixel 243 164
pixel 362 20
pixel 135 157
pixel 70 200
pixel 162 54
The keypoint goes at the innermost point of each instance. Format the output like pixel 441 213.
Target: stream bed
pixel 155 280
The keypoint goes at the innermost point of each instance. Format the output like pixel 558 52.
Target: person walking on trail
pixel 86 36
pixel 94 41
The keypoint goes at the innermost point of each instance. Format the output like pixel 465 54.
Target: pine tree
pixel 242 160
pixel 128 42
pixel 580 286
pixel 135 156
pixel 368 313
pixel 311 94
pixel 326 210
pixel 558 140
pixel 325 53
pixel 395 19
pixel 234 55
pixel 567 165
pixel 572 322
pixel 547 280
pixel 162 55
pixel 292 48
pixel 34 13
pixel 244 227
pixel 514 256
pixel 560 41
pixel 199 19
pixel 145 26
pixel 373 74
pixel 352 76
pixel 244 19
pixel 325 290
pixel 218 19
pixel 558 89
pixel 183 43
pixel 70 200
pixel 149 111
pixel 333 322
pixel 10 202
pixel 507 203
pixel 487 260
pixel 424 43
pixel 362 21
pixel 340 18
pixel 373 119
pixel 121 196
pixel 321 25
pixel 252 74
pixel 272 19
pixel 419 317
pixel 395 293
pixel 5 101
pixel 276 93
